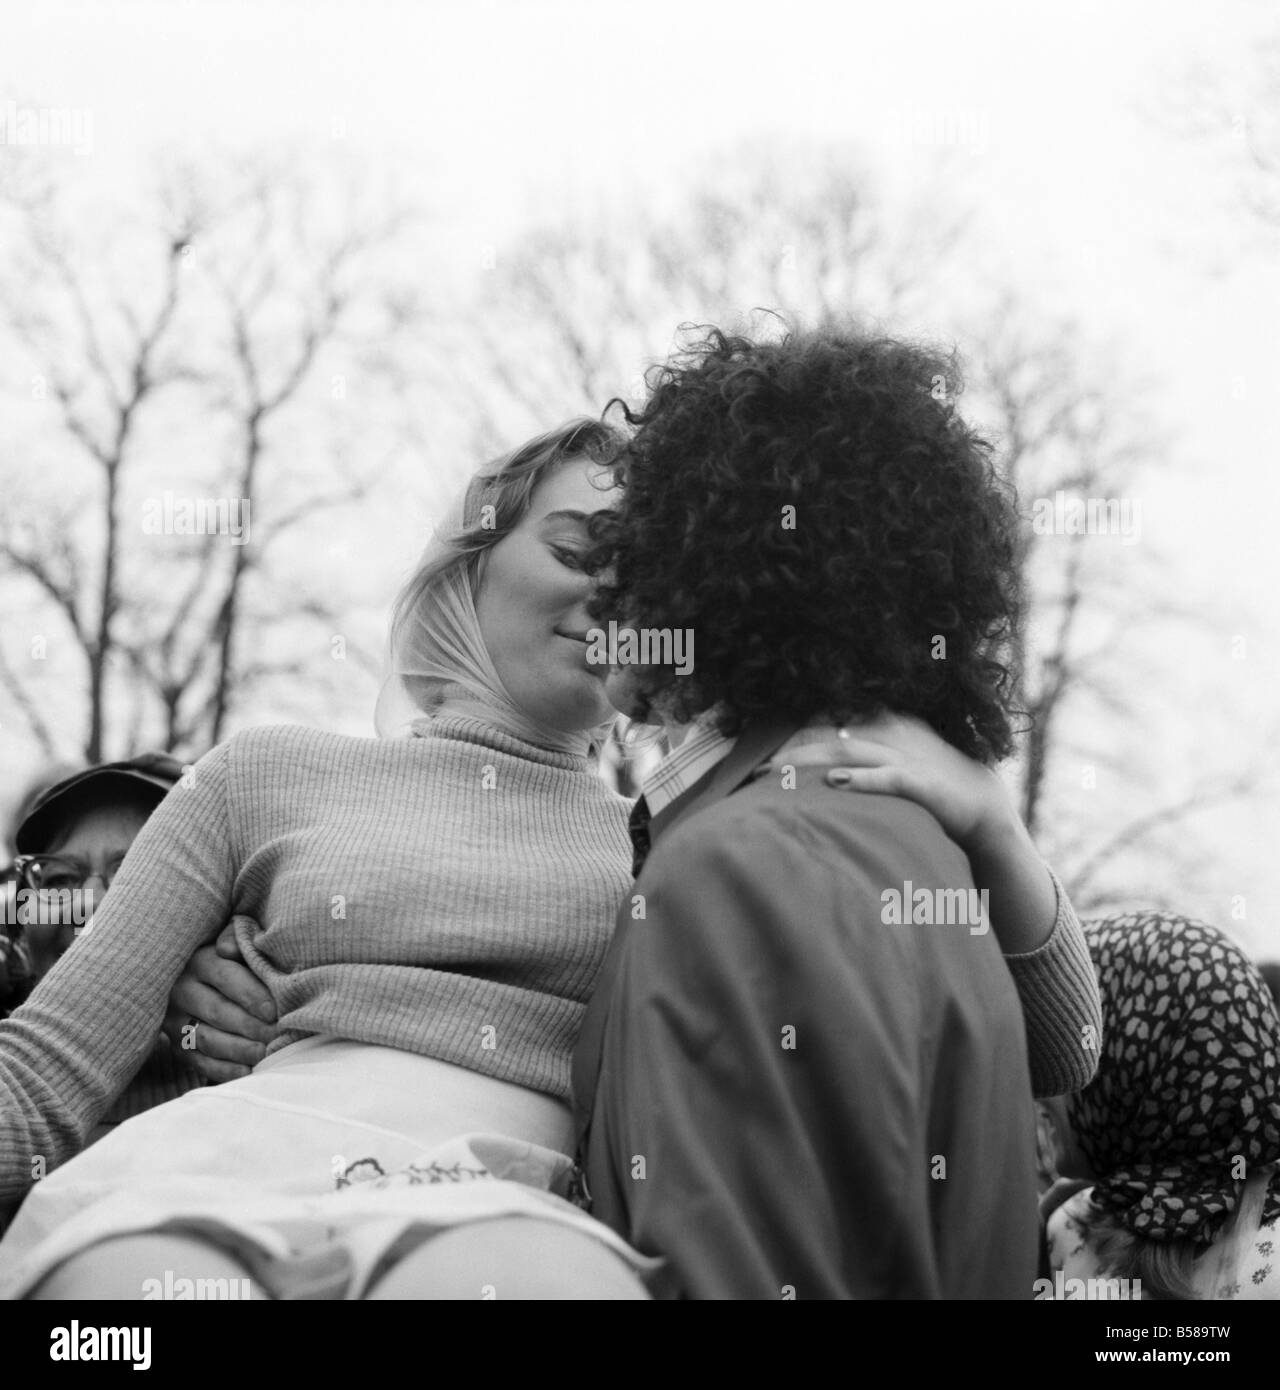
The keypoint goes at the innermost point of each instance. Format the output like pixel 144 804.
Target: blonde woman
pixel 431 910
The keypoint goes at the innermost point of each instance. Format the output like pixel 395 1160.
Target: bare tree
pixel 794 229
pixel 237 298
pixel 1104 609
pixel 99 388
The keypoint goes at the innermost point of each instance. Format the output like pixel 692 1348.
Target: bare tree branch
pixel 30 710
pixel 1142 826
pixel 64 598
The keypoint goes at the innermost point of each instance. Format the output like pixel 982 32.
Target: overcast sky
pixel 497 109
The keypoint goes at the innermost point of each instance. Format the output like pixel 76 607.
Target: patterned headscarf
pixel 1188 1080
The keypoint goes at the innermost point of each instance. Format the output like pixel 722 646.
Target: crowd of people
pixel 440 1013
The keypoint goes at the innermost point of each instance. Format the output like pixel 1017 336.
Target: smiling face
pixel 532 600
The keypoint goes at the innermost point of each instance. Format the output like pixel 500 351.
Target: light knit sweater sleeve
pixel 1058 988
pixel 74 1045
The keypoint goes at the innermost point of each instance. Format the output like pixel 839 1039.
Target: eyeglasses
pixel 60 873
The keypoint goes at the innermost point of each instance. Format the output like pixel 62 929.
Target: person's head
pixel 496 611
pixel 1186 1099
pixel 75 836
pixel 834 536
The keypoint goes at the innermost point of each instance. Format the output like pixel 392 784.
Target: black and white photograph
pixel 640 661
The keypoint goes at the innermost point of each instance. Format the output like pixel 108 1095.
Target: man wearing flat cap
pixel 71 839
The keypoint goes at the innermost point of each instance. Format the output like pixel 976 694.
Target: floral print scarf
pixel 1186 1100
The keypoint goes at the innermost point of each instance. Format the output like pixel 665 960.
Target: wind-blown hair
pixel 830 528
pixel 434 647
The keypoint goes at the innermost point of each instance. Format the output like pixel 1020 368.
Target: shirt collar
pixel 703 748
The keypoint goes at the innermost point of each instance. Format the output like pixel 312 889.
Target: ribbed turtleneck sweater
pixel 451 894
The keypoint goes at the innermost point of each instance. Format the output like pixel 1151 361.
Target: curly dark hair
pixel 817 512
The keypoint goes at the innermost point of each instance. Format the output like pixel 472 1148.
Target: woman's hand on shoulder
pixel 900 755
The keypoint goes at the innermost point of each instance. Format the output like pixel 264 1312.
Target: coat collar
pixel 757 742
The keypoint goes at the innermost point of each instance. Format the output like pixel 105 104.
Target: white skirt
pixel 316 1171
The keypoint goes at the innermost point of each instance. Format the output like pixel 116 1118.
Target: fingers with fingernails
pixel 219 1004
